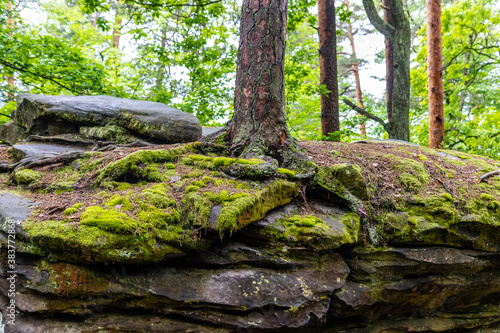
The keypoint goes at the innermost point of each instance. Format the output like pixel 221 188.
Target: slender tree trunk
pixel 258 126
pixel 389 60
pixel 10 29
pixel 117 27
pixel 355 70
pixel 435 74
pixel 399 34
pixel 328 66
pixel 161 66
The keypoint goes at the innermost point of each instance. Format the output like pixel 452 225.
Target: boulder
pixel 55 115
pixel 12 133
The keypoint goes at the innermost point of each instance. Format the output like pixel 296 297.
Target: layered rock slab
pixel 54 115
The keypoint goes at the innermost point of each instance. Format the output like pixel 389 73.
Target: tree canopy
pixel 183 53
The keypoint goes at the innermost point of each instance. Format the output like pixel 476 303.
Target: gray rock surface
pixel 41 150
pixel 12 133
pixel 54 115
pixel 13 208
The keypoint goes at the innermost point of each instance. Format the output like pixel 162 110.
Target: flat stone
pixel 53 115
pixel 451 157
pixel 14 208
pixel 42 150
pixel 210 130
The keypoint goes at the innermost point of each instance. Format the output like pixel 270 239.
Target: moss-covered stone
pixel 26 176
pixel 142 164
pixel 314 232
pixel 108 220
pixel 412 174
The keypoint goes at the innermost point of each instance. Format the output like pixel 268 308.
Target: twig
pixel 487 175
pixel 365 113
pixel 442 183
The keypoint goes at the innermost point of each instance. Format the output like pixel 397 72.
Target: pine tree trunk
pixel 389 61
pixel 435 75
pixel 328 66
pixel 355 70
pixel 258 126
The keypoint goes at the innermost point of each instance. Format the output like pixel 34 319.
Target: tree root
pixel 487 175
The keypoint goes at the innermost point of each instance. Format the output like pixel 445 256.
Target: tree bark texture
pixel 258 126
pixel 435 74
pixel 389 60
pixel 355 70
pixel 330 121
pixel 399 34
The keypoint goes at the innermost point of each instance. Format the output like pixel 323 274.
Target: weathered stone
pixel 35 151
pixel 51 115
pixel 12 133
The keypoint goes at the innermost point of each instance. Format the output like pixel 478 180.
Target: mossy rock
pixel 344 176
pixel 320 233
pixel 26 176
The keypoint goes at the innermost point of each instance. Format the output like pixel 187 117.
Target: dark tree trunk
pixel 258 126
pixel 435 74
pixel 389 60
pixel 400 36
pixel 328 66
pixel 355 70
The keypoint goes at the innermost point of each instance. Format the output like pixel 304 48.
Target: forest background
pixel 183 54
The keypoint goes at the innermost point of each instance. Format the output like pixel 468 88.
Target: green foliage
pixel 471 77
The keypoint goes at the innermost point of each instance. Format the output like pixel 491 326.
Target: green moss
pixel 493 205
pixel 344 176
pixel 218 198
pixel 193 174
pixel 486 196
pixel 158 196
pixel 238 213
pixel 159 218
pixel 148 160
pixel 199 158
pixel 78 205
pixel 26 176
pixel 196 209
pixel 447 196
pixel 108 220
pixel 423 157
pixel 69 211
pixel 192 188
pixel 223 161
pixel 437 209
pixel 412 174
pixel 91 244
pixel 313 232
pixel 169 166
pixel 289 173
pixel 251 161
pixel 117 200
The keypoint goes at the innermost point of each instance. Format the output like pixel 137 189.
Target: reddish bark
pixel 435 75
pixel 328 66
pixel 117 31
pixel 258 126
pixel 389 60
